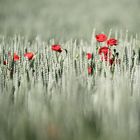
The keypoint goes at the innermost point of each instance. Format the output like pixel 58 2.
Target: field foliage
pixel 53 97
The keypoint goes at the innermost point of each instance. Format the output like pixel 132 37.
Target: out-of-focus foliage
pixel 64 19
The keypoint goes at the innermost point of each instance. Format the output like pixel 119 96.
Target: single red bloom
pixel 90 70
pixel 29 55
pixel 101 37
pixel 16 57
pixel 112 42
pixel 5 62
pixel 56 48
pixel 111 61
pixel 104 52
pixel 89 56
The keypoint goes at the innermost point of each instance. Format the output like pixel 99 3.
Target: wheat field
pixel 54 82
pixel 51 98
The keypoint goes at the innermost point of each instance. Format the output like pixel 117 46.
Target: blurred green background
pixel 64 19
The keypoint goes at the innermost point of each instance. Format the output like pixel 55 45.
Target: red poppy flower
pixel 101 37
pixel 16 57
pixel 5 62
pixel 29 55
pixel 104 52
pixel 90 70
pixel 112 42
pixel 56 48
pixel 89 56
pixel 111 61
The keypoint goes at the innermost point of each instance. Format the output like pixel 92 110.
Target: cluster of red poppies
pixel 16 57
pixel 105 52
